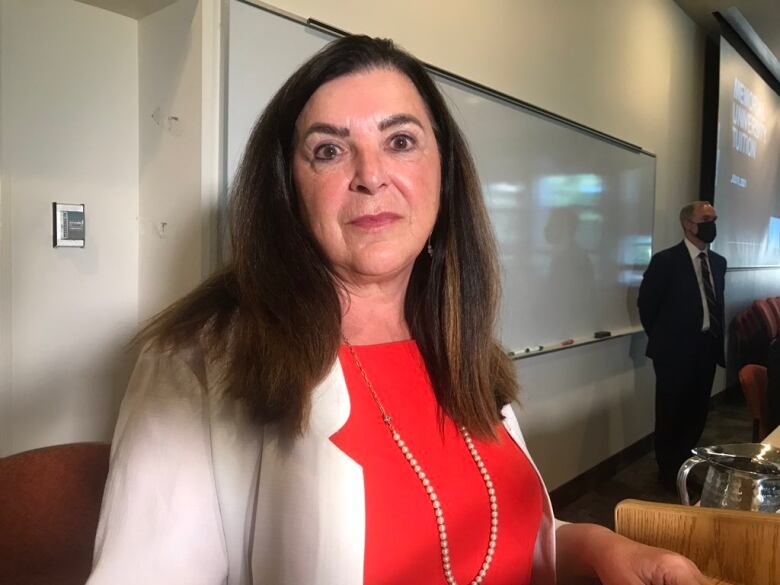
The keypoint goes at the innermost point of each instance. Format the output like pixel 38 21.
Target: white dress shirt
pixel 694 252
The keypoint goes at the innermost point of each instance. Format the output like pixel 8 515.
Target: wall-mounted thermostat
pixel 69 225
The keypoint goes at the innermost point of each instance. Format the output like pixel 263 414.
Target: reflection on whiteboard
pixel 573 216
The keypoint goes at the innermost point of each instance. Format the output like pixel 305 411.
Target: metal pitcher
pixel 745 476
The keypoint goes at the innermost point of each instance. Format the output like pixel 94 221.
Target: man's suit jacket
pixel 670 304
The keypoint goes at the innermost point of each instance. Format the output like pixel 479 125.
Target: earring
pixel 430 247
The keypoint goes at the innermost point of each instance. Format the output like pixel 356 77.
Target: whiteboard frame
pixel 577 342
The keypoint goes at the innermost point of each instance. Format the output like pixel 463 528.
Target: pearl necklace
pixel 429 489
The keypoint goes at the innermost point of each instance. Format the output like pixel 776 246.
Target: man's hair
pixel 686 213
pixel 272 317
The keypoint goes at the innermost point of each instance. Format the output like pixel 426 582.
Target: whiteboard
pixel 572 211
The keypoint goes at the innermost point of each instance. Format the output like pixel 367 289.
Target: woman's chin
pixel 378 267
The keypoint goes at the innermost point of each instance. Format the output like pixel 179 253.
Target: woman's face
pixel 366 167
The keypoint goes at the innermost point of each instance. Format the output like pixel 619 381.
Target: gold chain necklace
pixel 429 489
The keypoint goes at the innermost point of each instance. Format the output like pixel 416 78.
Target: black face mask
pixel 706 231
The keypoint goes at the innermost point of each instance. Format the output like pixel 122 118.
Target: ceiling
pixel 133 8
pixel 763 16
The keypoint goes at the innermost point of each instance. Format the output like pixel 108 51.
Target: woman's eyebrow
pixel 399 120
pixel 323 128
pixel 389 122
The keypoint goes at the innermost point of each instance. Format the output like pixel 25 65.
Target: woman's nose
pixel 369 173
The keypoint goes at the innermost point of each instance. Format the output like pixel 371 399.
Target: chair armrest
pixel 731 545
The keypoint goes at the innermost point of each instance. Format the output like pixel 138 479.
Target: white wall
pixel 169 50
pixel 69 119
pixel 5 279
pixel 631 68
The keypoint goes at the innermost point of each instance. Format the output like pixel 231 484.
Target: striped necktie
pixel 709 294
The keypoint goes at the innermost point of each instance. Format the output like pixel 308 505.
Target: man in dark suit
pixel 681 308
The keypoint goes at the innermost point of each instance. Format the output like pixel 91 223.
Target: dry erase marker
pixel 567 342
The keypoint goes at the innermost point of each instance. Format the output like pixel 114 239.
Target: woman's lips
pixel 375 221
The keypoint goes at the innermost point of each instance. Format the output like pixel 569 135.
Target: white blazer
pixel 198 495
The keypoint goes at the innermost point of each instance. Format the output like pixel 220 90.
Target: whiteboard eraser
pixel 602 334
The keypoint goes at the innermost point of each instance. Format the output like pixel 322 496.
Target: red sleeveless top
pixel 402 538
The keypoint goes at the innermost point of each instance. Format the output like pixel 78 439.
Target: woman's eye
pixel 326 152
pixel 402 142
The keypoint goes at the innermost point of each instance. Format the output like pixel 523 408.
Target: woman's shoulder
pixel 183 368
pixel 174 391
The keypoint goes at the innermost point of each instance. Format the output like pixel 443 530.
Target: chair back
pixel 753 381
pixel 752 339
pixel 49 507
pixel 732 546
pixel 767 316
pixel 774 305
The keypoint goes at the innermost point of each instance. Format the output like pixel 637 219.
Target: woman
pixel 333 407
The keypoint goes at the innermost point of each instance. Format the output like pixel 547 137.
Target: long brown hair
pixel 272 317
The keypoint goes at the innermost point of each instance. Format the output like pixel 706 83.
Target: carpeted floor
pixel 728 422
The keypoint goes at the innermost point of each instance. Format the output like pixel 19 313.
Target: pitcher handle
pixel 682 478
